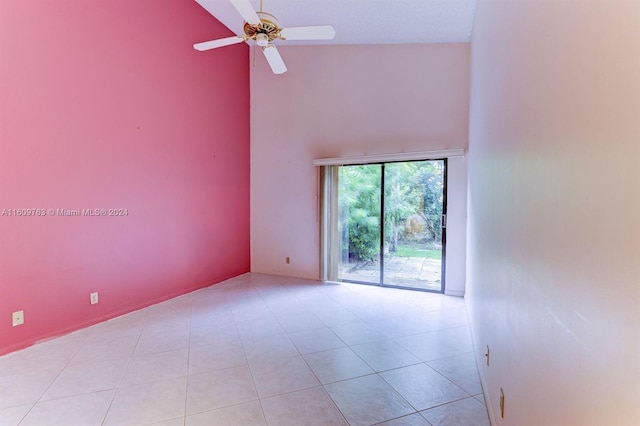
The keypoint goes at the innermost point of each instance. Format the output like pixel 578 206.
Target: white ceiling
pixel 364 21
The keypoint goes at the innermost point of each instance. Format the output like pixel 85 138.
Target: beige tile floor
pixel 257 350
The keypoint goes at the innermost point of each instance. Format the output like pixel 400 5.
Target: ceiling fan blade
pixel 314 32
pixel 206 45
pixel 275 60
pixel 247 11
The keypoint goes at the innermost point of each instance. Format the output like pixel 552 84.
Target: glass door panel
pixel 413 208
pixel 395 209
pixel 359 224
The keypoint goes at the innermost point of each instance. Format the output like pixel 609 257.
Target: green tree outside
pixel 411 188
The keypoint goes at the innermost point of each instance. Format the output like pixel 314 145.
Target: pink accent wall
pixel 554 208
pixel 107 105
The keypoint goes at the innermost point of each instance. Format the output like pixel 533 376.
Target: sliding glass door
pixel 359 224
pixel 414 202
pixel 390 224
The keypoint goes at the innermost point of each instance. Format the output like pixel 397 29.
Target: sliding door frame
pixel 381 282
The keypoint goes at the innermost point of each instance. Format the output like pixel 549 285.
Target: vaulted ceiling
pixel 364 22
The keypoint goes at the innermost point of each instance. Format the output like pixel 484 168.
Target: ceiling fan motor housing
pixel 264 32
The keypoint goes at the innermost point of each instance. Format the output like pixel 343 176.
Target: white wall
pixel 553 281
pixel 340 101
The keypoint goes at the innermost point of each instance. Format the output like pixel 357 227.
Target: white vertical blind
pixel 329 245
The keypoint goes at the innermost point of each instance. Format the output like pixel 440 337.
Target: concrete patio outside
pixel 412 272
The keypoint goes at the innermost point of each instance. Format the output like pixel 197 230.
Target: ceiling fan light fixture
pixel 268 27
pixel 262 40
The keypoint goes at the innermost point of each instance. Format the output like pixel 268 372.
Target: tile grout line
pixel 117 389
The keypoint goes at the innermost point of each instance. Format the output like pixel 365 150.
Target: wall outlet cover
pixel 18 318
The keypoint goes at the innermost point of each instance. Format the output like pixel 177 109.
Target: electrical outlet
pixel 94 298
pixel 18 318
pixel 287 260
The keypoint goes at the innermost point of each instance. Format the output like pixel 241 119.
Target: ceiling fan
pixel 264 28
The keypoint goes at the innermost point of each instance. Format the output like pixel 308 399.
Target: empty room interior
pixel 330 212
